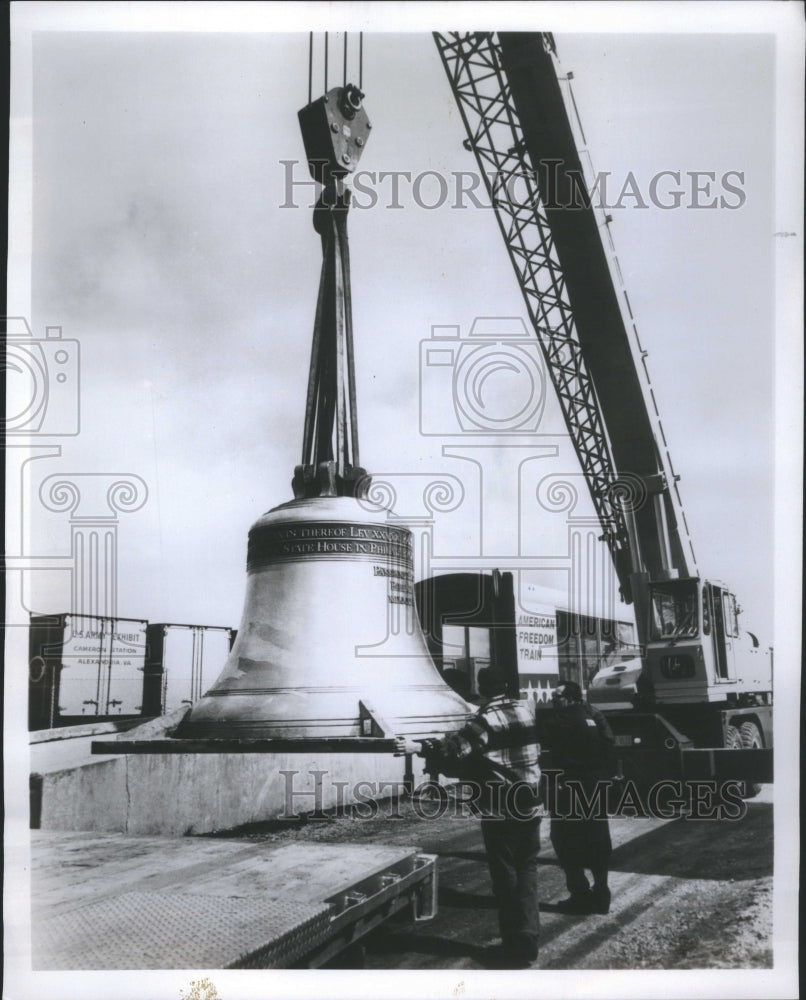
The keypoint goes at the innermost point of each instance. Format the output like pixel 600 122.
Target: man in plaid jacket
pixel 496 753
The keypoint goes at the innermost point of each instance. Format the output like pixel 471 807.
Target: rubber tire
pixel 751 740
pixel 750 736
pixel 733 740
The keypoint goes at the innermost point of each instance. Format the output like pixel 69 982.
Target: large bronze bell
pixel 328 626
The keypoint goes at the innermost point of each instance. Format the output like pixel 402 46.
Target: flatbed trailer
pixel 108 901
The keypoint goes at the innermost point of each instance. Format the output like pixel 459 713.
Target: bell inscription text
pixel 329 540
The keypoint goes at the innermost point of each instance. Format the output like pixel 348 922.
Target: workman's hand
pixel 404 746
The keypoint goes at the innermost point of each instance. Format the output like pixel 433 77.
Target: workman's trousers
pixel 581 844
pixel 512 848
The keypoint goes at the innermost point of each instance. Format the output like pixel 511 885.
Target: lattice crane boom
pixel 508 92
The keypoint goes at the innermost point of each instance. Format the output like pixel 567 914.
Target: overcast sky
pixel 160 244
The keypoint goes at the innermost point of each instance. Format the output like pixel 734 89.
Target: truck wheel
pixel 751 740
pixel 751 737
pixel 733 740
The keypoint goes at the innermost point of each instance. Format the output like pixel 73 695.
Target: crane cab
pixel 695 650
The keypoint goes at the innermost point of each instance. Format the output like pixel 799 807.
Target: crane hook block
pixel 335 129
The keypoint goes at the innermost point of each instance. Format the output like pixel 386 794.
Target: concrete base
pixel 178 795
pixel 181 794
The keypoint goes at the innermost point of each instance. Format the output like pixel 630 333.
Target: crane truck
pixel 696 680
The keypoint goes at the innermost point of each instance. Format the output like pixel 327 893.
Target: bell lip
pixel 319 710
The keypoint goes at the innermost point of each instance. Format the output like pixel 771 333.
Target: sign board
pixel 102 663
pixel 538 669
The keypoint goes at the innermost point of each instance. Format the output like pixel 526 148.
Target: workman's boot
pixel 600 899
pixel 577 902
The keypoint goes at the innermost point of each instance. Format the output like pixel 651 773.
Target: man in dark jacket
pixel 581 744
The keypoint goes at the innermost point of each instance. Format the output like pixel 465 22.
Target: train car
pixel 471 620
pixel 92 668
pixel 84 668
pixel 183 661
